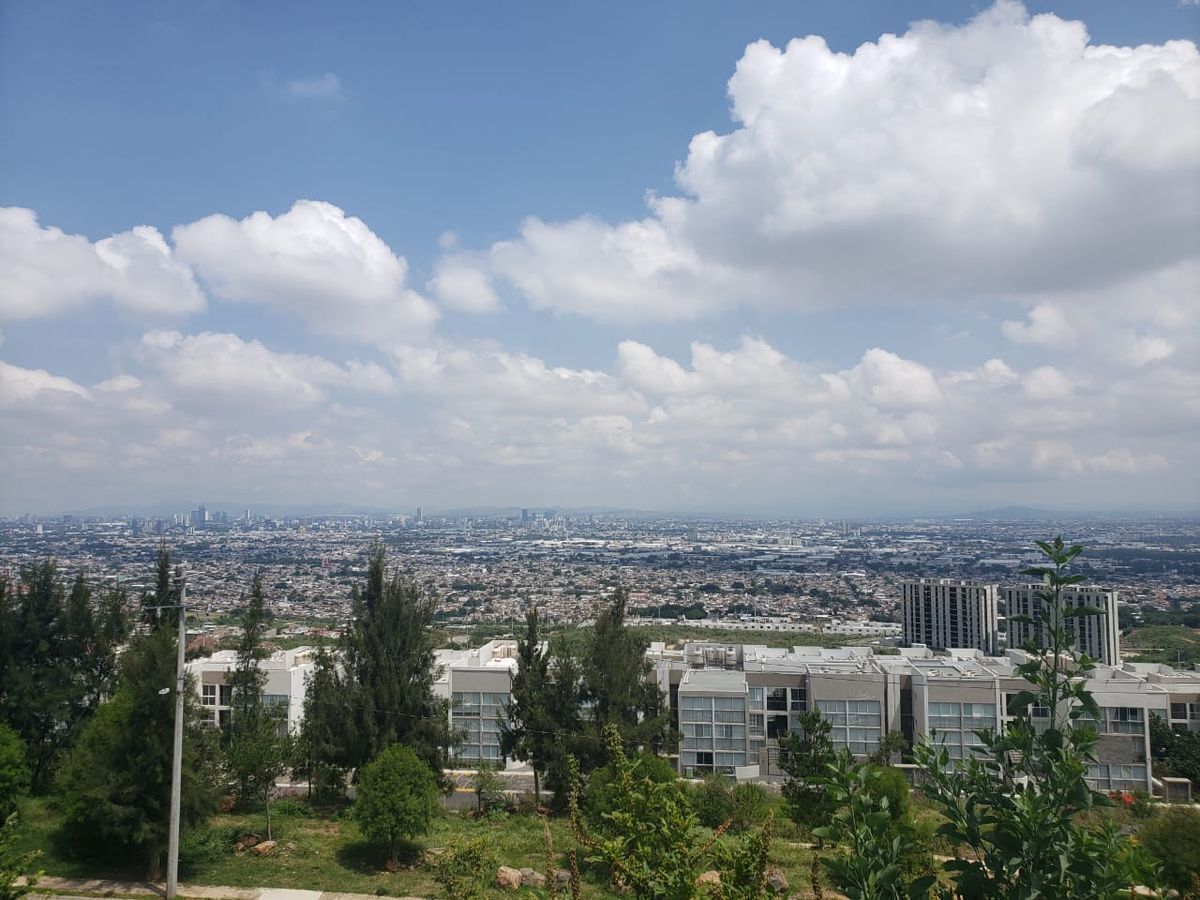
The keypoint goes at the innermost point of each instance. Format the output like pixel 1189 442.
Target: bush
pixel 489 791
pixel 465 869
pixel 1173 838
pixel 602 794
pixel 751 804
pixel 713 801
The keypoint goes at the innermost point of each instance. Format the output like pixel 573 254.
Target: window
pixel 226 695
pixel 777 699
pixel 798 699
pixel 758 696
pixel 208 694
pixel 1179 710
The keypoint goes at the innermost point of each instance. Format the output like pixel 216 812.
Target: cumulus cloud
pixel 45 271
pixel 1008 156
pixel 226 367
pixel 35 387
pixel 315 262
pixel 459 284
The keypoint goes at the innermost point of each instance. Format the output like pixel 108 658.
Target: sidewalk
pixel 101 888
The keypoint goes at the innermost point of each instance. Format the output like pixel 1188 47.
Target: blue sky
pixel 443 127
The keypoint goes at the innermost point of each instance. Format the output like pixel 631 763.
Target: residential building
pixel 947 613
pixel 1096 635
pixel 284 689
pixel 477 683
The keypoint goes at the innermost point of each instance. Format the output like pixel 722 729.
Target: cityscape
pixel 684 450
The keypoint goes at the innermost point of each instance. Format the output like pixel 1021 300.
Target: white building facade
pixel 948 613
pixel 284 689
pixel 1096 635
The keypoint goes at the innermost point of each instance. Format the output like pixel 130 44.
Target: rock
pixel 712 876
pixel 239 847
pixel 289 846
pixel 248 839
pixel 777 881
pixel 562 878
pixel 508 878
pixel 532 878
pixel 263 848
pixel 431 855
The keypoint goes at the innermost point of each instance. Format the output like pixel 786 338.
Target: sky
pixel 803 258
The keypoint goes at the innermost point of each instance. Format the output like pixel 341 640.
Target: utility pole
pixel 177 753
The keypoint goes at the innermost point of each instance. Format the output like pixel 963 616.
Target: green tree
pixel 652 843
pixel 389 664
pixel 397 797
pixel 324 755
pixel 615 688
pixel 892 744
pixel 1014 806
pixel 258 747
pixel 527 732
pixel 563 698
pixel 1175 752
pixel 14 771
pixel 116 784
pixel 804 756
pixel 1173 838
pixel 57 659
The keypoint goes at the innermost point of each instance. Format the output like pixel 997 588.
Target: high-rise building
pixel 944 613
pixel 420 516
pixel 200 517
pixel 1096 635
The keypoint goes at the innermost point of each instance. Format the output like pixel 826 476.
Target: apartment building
pixel 477 683
pixel 948 613
pixel 284 690
pixel 1097 635
pixel 734 702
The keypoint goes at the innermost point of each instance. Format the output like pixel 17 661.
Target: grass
pixel 1170 644
pixel 324 850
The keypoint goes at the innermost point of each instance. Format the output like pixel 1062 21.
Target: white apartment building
pixel 477 683
pixel 284 690
pixel 734 701
pixel 948 613
pixel 1098 635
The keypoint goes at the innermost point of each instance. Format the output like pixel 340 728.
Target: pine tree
pixel 389 663
pixel 614 684
pixel 526 733
pixel 257 749
pixel 57 659
pixel 325 752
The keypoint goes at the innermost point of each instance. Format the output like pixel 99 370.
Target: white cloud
pixel 1004 157
pixel 459 284
pixel 36 388
pixel 45 271
pixel 317 87
pixel 313 261
pixel 1048 325
pixel 225 367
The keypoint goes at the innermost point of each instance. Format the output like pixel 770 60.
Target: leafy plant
pixel 1173 838
pixel 15 864
pixel 14 771
pixel 464 869
pixel 651 844
pixel 1014 805
pixel 804 755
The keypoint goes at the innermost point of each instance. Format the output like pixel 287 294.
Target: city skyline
pixel 816 262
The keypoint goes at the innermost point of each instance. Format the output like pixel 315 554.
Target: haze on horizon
pixel 887 259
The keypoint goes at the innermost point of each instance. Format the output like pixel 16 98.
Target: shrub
pixel 751 803
pixel 465 869
pixel 1173 837
pixel 713 801
pixel 603 789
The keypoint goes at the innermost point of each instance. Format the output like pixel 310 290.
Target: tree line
pixel 92 726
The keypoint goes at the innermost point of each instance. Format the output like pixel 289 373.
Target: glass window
pixel 208 694
pixel 777 699
pixel 758 695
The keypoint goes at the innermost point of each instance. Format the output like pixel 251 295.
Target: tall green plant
pixel 804 755
pixel 1013 808
pixel 652 844
pixel 527 731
